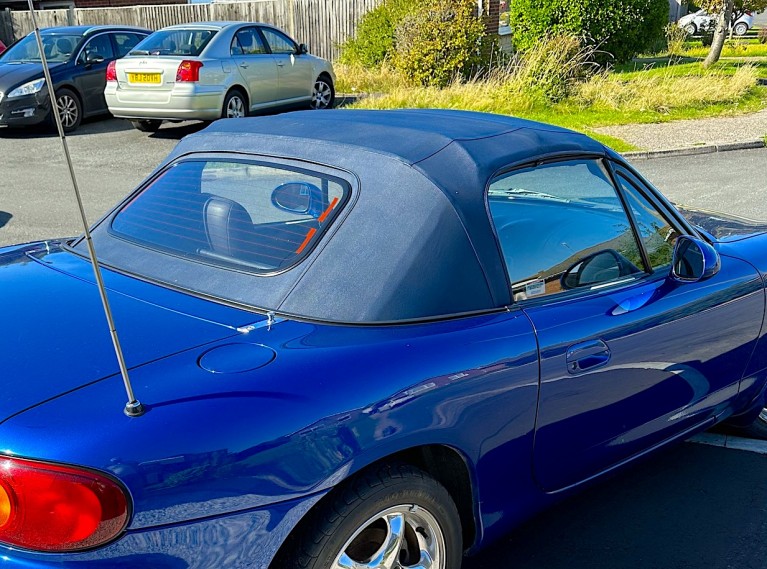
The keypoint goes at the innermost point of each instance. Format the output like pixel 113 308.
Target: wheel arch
pixel 243 91
pixel 447 465
pixel 71 87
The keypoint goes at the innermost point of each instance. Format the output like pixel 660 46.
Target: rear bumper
pixel 247 539
pixel 183 102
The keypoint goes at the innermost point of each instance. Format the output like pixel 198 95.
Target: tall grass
pixel 662 92
pixel 540 77
pixel 557 77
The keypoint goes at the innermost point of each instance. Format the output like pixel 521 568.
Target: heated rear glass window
pixel 245 215
pixel 174 42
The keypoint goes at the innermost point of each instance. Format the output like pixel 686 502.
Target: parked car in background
pixel 362 340
pixel 700 21
pixel 78 57
pixel 207 71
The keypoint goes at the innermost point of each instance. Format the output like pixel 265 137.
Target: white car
pixel 212 70
pixel 697 21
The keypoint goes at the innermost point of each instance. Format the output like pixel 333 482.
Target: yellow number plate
pixel 144 78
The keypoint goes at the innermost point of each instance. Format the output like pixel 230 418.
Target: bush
pixel 439 42
pixel 374 41
pixel 621 28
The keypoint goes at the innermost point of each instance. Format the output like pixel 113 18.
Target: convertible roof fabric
pixel 414 242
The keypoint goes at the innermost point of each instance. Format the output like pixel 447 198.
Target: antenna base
pixel 134 409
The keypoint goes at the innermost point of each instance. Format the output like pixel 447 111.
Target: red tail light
pixel 48 507
pixel 749 13
pixel 112 71
pixel 188 71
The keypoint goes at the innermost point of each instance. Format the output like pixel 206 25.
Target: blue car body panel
pixel 251 419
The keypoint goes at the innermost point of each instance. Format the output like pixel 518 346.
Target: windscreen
pixel 174 42
pixel 58 48
pixel 236 214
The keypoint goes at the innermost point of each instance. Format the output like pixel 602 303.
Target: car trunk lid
pixel 55 336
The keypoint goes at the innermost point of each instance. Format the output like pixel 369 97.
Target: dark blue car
pixel 78 57
pixel 362 340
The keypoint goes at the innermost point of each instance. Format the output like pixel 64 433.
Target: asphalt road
pixel 111 158
pixel 691 507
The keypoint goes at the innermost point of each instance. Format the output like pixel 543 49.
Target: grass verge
pixel 577 101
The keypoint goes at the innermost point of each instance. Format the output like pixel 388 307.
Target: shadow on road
pixel 5 217
pixel 692 507
pixel 96 125
pixel 177 131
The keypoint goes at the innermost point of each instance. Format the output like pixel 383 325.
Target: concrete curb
pixel 692 151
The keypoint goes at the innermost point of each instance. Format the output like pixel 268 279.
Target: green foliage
pixel 374 40
pixel 675 38
pixel 620 28
pixel 439 42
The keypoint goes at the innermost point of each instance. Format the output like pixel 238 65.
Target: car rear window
pixel 175 42
pixel 238 214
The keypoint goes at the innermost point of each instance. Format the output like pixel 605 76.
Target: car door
pixel 256 66
pixel 296 75
pixel 90 72
pixel 629 356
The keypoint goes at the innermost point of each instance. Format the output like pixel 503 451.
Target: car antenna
pixel 133 408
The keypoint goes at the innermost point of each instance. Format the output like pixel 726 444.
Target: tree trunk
pixel 722 23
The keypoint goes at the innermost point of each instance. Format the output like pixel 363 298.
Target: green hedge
pixel 620 28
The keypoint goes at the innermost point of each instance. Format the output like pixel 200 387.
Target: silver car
pixel 212 70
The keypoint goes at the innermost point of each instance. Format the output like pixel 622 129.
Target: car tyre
pixel 147 125
pixel 691 29
pixel 741 29
pixel 70 109
pixel 757 429
pixel 391 516
pixel 323 93
pixel 235 105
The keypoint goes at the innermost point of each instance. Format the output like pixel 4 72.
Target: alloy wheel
pixel 235 108
pixel 402 537
pixel 68 111
pixel 322 94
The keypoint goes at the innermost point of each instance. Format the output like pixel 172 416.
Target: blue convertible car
pixel 362 340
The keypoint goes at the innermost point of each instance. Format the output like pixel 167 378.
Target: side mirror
pixel 596 268
pixel 93 58
pixel 694 260
pixel 300 198
pixel 303 49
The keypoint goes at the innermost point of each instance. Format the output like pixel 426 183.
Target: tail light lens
pixel 188 71
pixel 112 71
pixel 55 508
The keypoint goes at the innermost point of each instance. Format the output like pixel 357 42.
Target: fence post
pixel 71 16
pixel 8 26
pixel 291 18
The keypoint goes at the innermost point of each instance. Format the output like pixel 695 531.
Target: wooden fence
pixel 321 24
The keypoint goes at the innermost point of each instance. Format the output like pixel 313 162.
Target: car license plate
pixel 144 78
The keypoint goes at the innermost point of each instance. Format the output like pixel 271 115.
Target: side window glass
pixel 657 234
pixel 279 43
pixel 125 42
pixel 248 42
pixel 100 46
pixel 561 226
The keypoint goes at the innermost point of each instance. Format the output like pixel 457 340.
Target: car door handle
pixel 280 64
pixel 587 355
pixel 244 65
